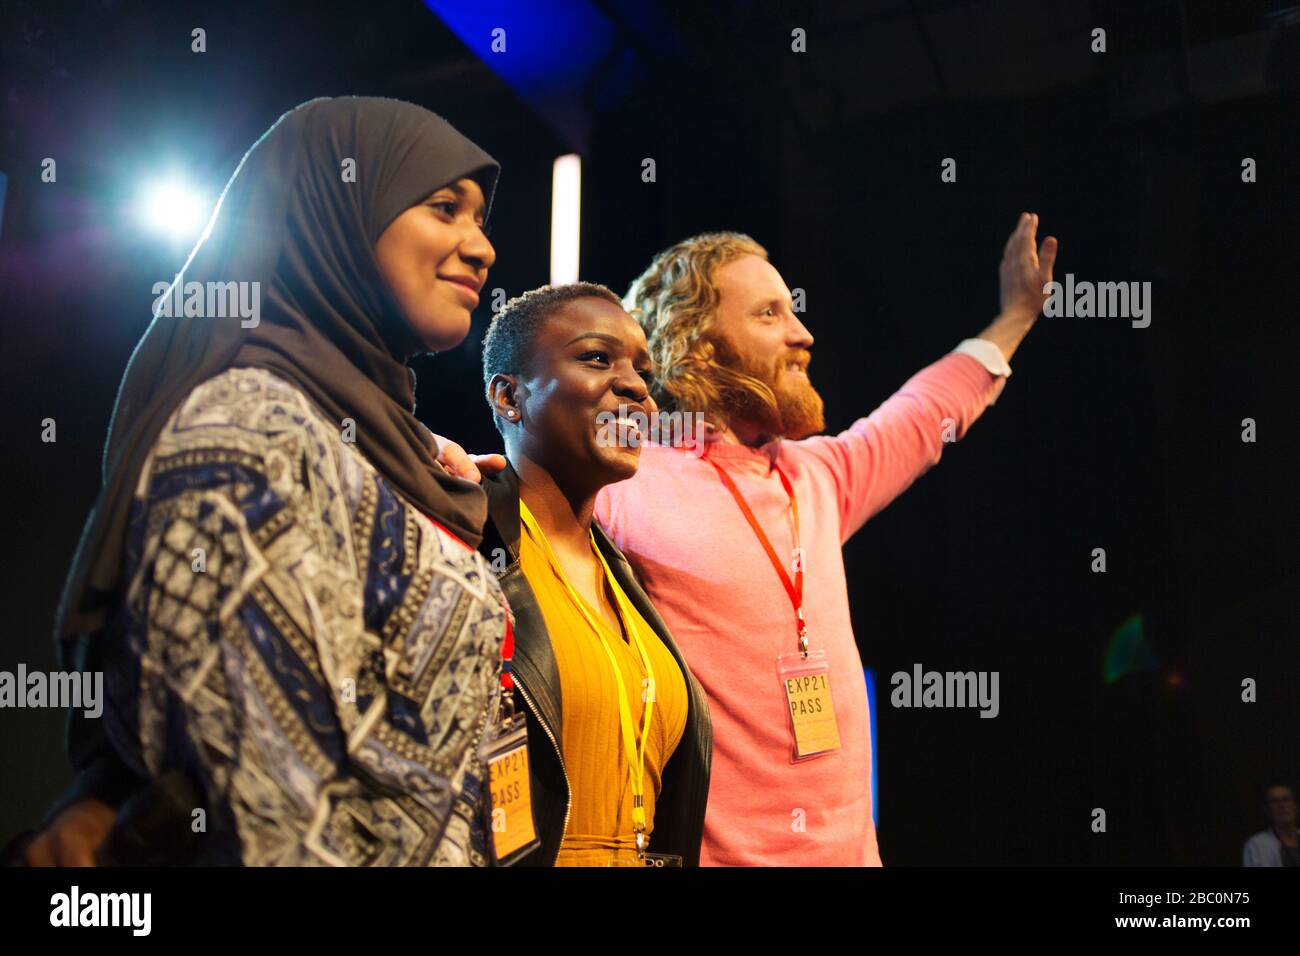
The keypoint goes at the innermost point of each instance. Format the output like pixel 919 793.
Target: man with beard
pixel 739 543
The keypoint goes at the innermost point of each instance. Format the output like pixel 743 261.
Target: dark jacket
pixel 684 783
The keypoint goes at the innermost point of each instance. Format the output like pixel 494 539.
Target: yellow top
pixel 599 831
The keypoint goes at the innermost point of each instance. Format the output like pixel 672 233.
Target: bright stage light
pixel 566 203
pixel 174 210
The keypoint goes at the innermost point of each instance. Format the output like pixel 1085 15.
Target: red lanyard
pixel 507 652
pixel 793 588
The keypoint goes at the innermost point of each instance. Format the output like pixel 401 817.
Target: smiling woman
pixel 435 257
pixel 273 521
pixel 619 729
pixel 572 362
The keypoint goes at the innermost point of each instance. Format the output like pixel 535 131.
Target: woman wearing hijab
pixel 278 579
pixel 620 740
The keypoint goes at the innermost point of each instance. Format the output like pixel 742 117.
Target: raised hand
pixel 1026 269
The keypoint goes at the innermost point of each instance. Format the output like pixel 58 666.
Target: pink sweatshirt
pixel 706 572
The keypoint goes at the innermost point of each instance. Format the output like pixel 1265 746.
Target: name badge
pixel 510 804
pixel 806 684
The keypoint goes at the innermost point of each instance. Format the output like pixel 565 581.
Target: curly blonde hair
pixel 675 301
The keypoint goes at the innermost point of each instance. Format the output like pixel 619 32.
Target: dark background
pixel 1106 436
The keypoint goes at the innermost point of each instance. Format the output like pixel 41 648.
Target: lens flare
pixel 173 209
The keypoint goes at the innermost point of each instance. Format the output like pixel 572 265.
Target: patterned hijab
pixel 291 220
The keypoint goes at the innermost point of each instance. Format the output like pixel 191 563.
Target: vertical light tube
pixel 566 205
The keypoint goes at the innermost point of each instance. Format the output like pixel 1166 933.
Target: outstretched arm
pixel 878 457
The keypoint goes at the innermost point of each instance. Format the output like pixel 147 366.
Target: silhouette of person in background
pixel 1279 845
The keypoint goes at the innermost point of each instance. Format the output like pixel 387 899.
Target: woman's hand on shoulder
pixel 460 463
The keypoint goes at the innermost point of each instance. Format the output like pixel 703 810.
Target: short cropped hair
pixel 508 344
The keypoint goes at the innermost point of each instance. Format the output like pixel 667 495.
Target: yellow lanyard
pixel 635 755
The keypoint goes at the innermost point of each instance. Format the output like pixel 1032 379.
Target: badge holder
pixel 806 684
pixel 642 859
pixel 509 808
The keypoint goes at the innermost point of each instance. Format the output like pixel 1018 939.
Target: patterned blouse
pixel 319 655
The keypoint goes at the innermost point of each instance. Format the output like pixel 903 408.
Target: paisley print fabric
pixel 317 653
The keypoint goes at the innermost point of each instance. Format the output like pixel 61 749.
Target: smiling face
pixel 588 366
pixel 757 332
pixel 435 258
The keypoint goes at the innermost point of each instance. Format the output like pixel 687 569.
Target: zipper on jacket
pixel 568 787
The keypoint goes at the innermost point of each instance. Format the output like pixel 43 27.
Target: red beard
pixel 799 412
